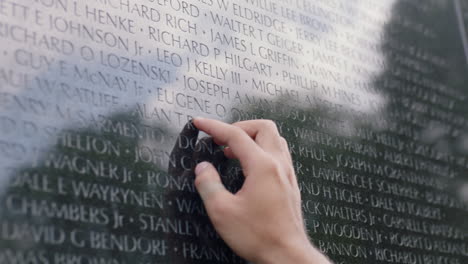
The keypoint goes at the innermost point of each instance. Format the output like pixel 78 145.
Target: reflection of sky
pixel 361 31
pixel 39 139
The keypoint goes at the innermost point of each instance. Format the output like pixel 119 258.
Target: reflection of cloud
pixel 347 96
pixel 49 99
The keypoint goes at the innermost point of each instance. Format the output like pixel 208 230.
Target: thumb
pixel 209 185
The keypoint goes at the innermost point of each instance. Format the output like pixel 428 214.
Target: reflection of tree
pixel 435 49
pixel 53 212
pixel 173 189
pixel 413 45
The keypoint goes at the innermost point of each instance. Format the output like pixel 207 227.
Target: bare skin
pixel 263 221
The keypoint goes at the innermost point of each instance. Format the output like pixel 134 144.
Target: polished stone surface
pixel 97 167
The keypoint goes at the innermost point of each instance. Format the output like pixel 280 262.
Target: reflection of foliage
pixel 438 49
pixel 47 171
pixel 413 43
pixel 174 188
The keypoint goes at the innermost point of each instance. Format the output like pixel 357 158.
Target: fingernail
pixel 201 166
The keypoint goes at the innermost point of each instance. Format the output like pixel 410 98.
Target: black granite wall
pixel 371 95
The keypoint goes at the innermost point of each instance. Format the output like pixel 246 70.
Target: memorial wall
pixel 372 97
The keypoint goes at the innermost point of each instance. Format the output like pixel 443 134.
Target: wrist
pixel 299 252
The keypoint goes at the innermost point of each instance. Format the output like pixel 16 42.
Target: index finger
pixel 242 145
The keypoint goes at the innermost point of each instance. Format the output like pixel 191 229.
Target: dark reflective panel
pixel 96 156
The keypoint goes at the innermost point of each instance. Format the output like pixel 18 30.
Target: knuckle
pixel 284 141
pixel 237 136
pixel 269 124
pixel 198 180
pixel 272 168
pixel 218 210
pixel 268 163
pixel 201 178
pixel 237 131
pixel 298 195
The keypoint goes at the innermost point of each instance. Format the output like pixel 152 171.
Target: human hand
pixel 263 221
